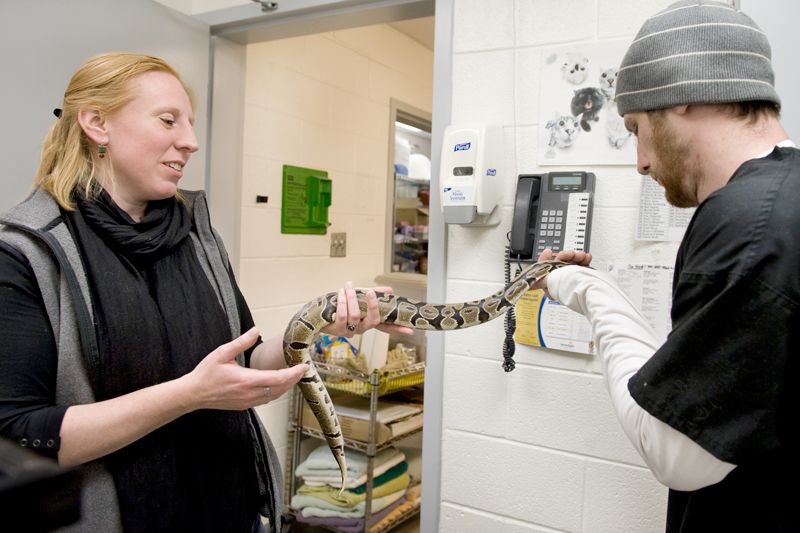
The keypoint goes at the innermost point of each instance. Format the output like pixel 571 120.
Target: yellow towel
pixel 349 498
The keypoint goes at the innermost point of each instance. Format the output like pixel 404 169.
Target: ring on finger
pixel 351 328
pixel 267 392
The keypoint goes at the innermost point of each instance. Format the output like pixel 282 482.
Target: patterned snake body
pixel 317 314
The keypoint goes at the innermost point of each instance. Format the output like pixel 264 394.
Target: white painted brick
pixel 261 237
pixel 288 53
pixel 617 187
pixel 483 88
pixel 369 199
pixel 272 134
pixel 527 150
pixel 465 291
pixel 328 148
pixel 371 156
pixel 566 411
pixel 385 83
pixel 484 341
pixel 471 31
pixel 511 479
pixel 270 282
pixel 343 200
pixel 528 68
pixel 459 519
pixel 517 526
pixel 613 231
pixel 619 18
pixel 293 93
pixel 474 397
pixel 257 82
pixel 260 176
pixel 329 61
pixel 477 252
pixel 405 55
pixel 272 321
pixel 366 236
pixel 275 416
pixel 357 115
pixel 546 22
pixel 364 40
pixel 623 498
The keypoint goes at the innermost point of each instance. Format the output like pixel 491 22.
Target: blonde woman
pixel 128 347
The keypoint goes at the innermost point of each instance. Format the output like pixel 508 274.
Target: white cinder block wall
pixel 320 101
pixel 538 449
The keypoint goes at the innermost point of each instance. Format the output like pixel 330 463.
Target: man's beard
pixel 673 169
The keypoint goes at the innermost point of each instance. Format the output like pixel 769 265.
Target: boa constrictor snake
pixel 315 315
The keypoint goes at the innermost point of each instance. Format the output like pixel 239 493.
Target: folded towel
pixel 380 479
pixel 349 499
pixel 321 462
pixel 395 471
pixel 334 478
pixel 355 525
pixel 313 506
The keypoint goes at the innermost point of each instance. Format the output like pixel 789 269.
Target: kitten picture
pixel 574 69
pixel 608 82
pixel 615 126
pixel 563 129
pixel 578 121
pixel 586 104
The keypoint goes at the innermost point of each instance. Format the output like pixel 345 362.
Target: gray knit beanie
pixel 696 52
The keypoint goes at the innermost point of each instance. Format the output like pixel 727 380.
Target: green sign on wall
pixel 305 200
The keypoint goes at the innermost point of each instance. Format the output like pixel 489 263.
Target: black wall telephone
pixel 552 210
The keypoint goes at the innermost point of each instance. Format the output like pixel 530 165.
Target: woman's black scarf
pixel 156 317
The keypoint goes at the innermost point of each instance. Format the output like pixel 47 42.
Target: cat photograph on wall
pixel 564 129
pixel 573 69
pixel 586 103
pixel 579 82
pixel 616 133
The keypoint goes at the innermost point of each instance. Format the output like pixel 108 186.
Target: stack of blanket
pixel 317 500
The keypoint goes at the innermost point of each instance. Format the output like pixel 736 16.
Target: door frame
pixel 329 16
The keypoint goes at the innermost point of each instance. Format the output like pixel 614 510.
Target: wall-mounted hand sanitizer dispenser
pixel 472 158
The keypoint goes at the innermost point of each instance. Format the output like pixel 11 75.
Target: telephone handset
pixel 552 210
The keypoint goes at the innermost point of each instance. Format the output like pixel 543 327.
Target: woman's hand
pixel 348 320
pixel 219 382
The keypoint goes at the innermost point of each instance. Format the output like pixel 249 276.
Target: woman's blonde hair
pixel 103 83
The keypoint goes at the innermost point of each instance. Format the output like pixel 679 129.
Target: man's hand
pixel 568 256
pixel 575 257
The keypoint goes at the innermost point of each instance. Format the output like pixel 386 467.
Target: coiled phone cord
pixel 510 321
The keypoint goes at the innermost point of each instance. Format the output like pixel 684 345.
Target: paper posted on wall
pixel 659 221
pixel 545 323
pixel 649 286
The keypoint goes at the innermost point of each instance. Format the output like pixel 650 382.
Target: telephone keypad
pixel 551 227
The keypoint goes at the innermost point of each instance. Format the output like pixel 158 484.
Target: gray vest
pixel 35 228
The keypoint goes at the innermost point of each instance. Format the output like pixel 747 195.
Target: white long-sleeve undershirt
pixel 625 341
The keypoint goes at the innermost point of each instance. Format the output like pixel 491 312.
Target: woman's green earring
pixel 101 150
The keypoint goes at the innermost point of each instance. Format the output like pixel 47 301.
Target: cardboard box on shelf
pixel 392 420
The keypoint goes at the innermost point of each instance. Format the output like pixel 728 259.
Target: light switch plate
pixel 338 244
